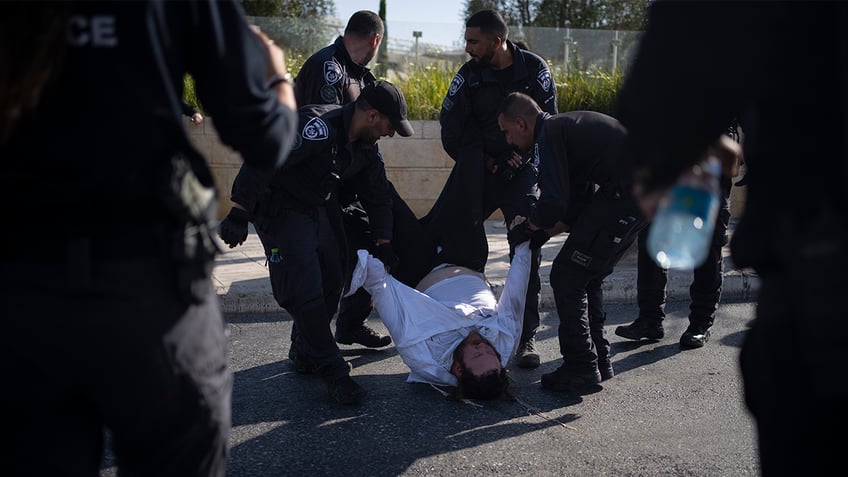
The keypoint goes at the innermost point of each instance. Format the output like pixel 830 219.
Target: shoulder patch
pixel 315 130
pixel 456 84
pixel 332 72
pixel 447 104
pixel 545 80
pixel 328 94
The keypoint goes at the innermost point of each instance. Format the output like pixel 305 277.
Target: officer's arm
pixel 372 188
pixel 545 91
pixel 231 68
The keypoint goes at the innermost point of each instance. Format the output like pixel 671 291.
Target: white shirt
pixel 427 327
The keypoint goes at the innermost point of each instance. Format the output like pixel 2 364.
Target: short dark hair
pixel 489 22
pixel 518 104
pixel 364 23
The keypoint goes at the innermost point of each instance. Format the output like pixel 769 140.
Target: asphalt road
pixel 667 412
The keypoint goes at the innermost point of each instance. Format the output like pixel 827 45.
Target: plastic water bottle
pixel 680 235
pixel 275 255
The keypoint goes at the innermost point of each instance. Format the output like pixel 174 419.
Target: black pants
pixel 109 343
pixel 456 221
pixel 794 357
pixel 308 281
pixel 597 241
pixel 705 290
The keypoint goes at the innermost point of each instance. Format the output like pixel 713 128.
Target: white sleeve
pixel 514 293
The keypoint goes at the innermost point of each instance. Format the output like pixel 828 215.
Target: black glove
pixel 233 229
pixel 538 238
pixel 386 254
pixel 519 234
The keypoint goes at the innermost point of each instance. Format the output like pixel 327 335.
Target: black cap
pixel 386 98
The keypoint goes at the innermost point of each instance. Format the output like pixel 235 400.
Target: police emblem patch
pixel 545 80
pixel 456 84
pixel 328 94
pixel 315 130
pixel 581 258
pixel 332 72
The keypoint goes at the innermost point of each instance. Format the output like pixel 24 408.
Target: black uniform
pixel 330 76
pixel 783 65
pixel 582 157
pixel 470 133
pixel 109 301
pixel 299 214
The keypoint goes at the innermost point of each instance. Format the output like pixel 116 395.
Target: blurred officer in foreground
pixel 783 65
pixel 298 218
pixel 488 174
pixel 585 191
pixel 112 317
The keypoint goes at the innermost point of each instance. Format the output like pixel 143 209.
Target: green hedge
pixel 424 87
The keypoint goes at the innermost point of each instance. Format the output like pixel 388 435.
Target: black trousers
pixel 794 357
pixel 705 290
pixel 308 279
pixel 597 241
pixel 456 221
pixel 109 343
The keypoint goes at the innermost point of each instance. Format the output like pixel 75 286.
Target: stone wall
pixel 417 165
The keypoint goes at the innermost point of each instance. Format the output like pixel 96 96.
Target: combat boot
pixel 526 356
pixel 565 379
pixel 365 336
pixel 344 390
pixel 695 336
pixel 641 328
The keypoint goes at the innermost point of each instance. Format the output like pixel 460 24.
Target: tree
pixel 289 8
pixel 298 25
pixel 382 67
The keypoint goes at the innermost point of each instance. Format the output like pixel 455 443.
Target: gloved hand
pixel 538 238
pixel 233 229
pixel 387 255
pixel 518 234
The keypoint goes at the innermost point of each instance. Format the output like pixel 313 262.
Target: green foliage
pixel 424 88
pixel 587 90
pixel 289 8
pixel 190 94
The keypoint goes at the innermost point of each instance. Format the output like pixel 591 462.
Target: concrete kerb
pixel 241 277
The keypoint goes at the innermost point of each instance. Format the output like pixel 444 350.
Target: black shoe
pixel 302 364
pixel 641 328
pixel 605 368
pixel 526 356
pixel 364 336
pixel 695 336
pixel 345 390
pixel 563 379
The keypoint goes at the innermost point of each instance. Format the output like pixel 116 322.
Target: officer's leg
pixel 351 323
pixel 705 291
pixel 651 280
pixel 415 248
pixel 597 319
pixel 579 370
pixel 515 199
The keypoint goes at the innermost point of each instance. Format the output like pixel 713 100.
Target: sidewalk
pixel 242 283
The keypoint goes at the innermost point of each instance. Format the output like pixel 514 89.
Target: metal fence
pixel 422 43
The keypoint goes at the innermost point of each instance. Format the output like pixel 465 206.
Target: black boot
pixel 641 328
pixel 568 380
pixel 695 336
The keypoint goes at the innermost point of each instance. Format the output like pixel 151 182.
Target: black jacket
pixel 330 77
pixel 323 163
pixel 469 111
pixel 575 151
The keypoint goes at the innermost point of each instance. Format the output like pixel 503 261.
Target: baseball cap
pixel 386 98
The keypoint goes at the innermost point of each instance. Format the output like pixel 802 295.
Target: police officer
pixel 298 219
pixel 584 190
pixel 488 175
pixel 705 290
pixel 335 75
pixel 108 301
